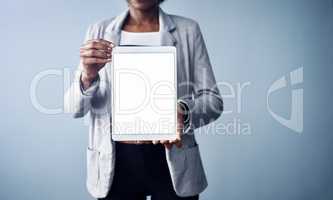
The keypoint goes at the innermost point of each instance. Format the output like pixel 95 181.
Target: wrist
pixel 184 110
pixel 87 79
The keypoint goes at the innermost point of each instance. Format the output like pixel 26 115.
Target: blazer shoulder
pixel 184 22
pixel 102 24
pixel 97 29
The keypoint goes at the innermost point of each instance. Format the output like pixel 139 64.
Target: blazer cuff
pixel 185 105
pixel 92 88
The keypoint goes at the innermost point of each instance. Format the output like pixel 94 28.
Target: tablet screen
pixel 144 96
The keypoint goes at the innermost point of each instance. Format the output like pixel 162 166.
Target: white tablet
pixel 144 93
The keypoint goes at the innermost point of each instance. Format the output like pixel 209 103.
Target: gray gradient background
pixel 43 156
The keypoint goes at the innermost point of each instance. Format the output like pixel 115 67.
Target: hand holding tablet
pixel 94 55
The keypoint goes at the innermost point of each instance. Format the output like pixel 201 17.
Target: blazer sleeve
pixel 76 100
pixel 205 104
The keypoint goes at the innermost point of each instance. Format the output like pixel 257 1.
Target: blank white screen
pixel 144 94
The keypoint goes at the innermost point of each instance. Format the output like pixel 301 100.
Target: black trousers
pixel 140 171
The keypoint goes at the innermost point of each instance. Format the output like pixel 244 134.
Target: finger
pixel 97 45
pixel 106 42
pixel 164 141
pixel 95 53
pixel 177 141
pixel 127 142
pixel 91 61
pixel 146 142
pixel 168 145
pixel 155 142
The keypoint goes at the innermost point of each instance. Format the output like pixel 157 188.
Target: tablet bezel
pixel 143 136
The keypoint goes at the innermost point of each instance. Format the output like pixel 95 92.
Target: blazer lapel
pixel 113 31
pixel 167 26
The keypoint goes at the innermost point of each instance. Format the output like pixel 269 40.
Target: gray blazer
pixel 196 88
